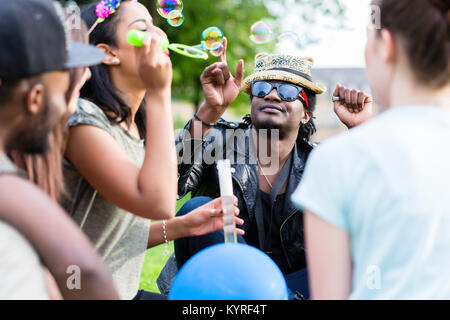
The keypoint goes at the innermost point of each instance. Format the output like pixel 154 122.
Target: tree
pixel 234 18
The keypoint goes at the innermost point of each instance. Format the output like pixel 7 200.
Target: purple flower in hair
pixel 102 10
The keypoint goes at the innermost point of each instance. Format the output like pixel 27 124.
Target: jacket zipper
pixel 281 239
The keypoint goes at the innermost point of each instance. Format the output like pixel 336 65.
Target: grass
pixel 155 260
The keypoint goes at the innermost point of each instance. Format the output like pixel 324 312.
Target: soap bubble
pixel 164 7
pixel 288 42
pixel 175 18
pixel 217 52
pixel 200 47
pixel 212 37
pixel 261 33
pixel 288 36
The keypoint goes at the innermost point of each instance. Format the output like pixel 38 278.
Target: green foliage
pixel 234 18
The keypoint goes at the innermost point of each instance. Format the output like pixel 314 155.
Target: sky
pixel 335 47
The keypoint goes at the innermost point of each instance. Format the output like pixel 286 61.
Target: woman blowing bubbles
pixel 121 169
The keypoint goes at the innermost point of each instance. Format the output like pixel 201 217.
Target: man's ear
pixel 35 98
pixel 111 58
pixel 306 117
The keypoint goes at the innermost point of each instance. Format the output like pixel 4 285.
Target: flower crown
pixel 104 9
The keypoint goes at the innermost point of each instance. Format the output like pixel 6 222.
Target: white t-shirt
pixel 387 182
pixel 21 272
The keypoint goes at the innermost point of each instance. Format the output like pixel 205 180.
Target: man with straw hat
pixel 283 98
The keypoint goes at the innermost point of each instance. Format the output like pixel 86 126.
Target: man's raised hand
pixel 353 107
pixel 219 86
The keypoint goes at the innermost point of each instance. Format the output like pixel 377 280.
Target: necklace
pixel 265 177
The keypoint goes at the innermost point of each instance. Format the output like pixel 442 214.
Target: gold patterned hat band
pixel 285 68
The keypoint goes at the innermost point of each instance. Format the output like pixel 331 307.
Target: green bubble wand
pixel 136 38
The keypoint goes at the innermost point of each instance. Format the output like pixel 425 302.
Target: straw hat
pixel 282 67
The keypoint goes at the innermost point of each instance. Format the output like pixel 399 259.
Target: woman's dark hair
pixel 100 89
pixel 424 28
pixel 306 130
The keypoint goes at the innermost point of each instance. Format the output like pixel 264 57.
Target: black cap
pixel 34 41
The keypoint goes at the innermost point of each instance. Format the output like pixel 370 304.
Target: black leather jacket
pixel 201 179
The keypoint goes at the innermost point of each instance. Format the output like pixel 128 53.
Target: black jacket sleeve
pixel 192 166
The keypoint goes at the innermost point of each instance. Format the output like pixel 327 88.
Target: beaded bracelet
pixel 164 230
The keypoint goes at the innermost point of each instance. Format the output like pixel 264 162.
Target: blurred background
pixel 332 32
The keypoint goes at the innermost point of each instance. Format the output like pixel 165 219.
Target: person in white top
pixel 19 266
pixel 377 199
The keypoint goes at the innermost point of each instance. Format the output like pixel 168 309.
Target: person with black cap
pixel 34 59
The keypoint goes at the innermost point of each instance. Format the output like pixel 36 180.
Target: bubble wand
pixel 136 38
pixel 226 193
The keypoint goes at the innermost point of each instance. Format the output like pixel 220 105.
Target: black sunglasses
pixel 286 91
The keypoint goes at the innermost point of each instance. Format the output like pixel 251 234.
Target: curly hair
pixel 306 130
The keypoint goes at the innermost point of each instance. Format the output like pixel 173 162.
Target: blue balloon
pixel 229 272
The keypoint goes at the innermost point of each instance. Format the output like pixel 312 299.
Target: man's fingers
pixel 336 91
pixel 347 97
pixel 225 71
pixel 361 98
pixel 218 76
pixel 354 99
pixel 239 76
pixel 367 98
pixel 351 100
pixel 342 93
pixel 223 56
pixel 208 71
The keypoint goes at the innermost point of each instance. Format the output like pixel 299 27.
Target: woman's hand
pixel 203 220
pixel 154 66
pixel 209 218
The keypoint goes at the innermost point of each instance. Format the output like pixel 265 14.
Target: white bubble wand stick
pixel 226 193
